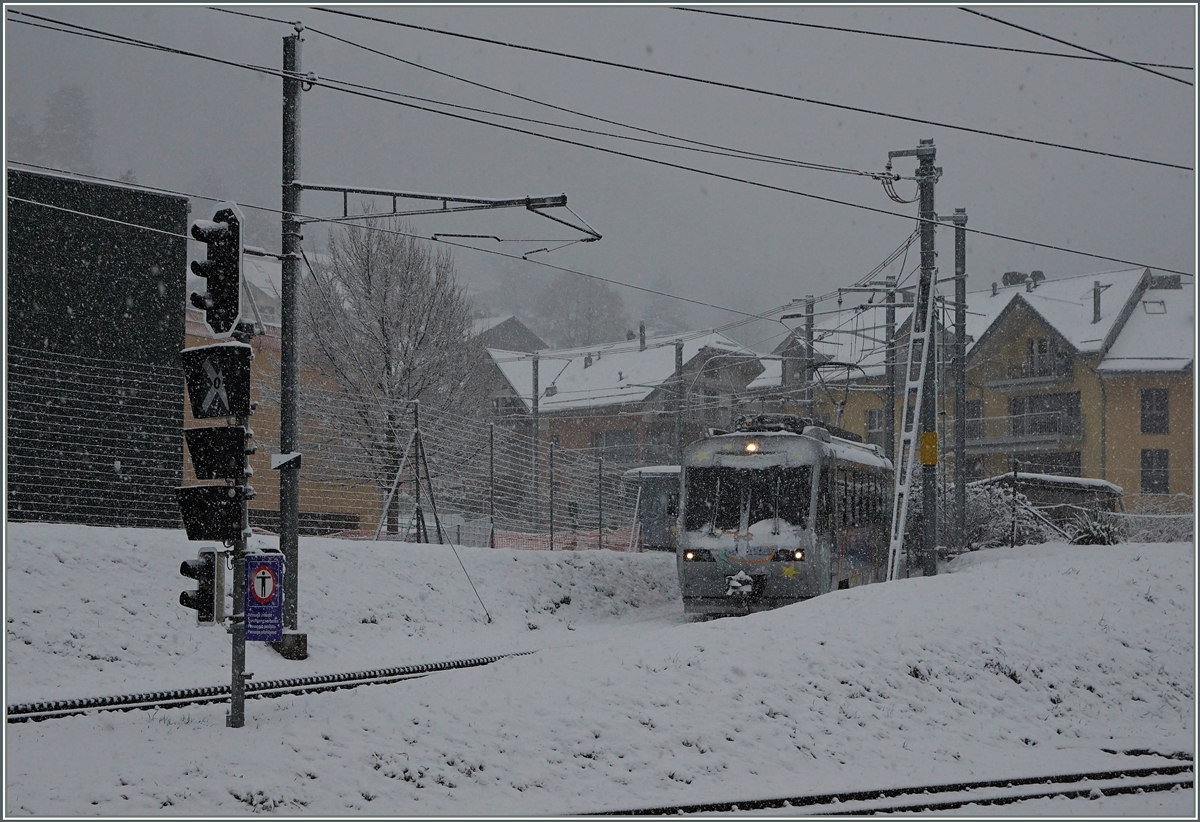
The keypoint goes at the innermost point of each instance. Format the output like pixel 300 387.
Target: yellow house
pixel 1085 376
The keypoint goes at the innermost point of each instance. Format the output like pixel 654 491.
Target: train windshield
pixel 719 497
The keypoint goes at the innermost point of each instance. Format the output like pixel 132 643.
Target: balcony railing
pixel 1049 427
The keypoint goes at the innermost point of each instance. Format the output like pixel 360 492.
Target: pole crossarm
pixel 534 204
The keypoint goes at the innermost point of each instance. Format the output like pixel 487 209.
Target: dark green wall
pixel 95 322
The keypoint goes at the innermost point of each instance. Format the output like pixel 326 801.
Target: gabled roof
pixel 1065 305
pixel 1160 334
pixel 607 374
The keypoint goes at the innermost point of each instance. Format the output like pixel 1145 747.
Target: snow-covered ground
pixel 1013 663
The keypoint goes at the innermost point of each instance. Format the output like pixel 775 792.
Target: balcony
pixel 1043 430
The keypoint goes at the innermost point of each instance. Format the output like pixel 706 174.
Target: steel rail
pixel 921 796
pixel 37 711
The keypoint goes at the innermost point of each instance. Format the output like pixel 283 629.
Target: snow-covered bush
pixel 989 520
pixel 1094 527
pixel 1161 520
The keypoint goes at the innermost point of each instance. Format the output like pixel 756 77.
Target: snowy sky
pixel 184 123
pixel 1010 663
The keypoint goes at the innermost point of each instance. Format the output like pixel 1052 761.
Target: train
pixel 653 493
pixel 777 511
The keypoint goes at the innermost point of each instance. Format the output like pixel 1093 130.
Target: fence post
pixel 551 472
pixel 600 503
pixel 491 485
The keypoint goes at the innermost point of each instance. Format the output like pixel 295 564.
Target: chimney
pixel 994 289
pixel 1036 277
pixel 642 336
pixel 1029 285
pixel 1096 302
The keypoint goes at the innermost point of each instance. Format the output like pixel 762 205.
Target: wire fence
pixel 101 442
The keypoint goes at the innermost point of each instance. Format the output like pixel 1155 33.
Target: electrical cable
pixel 1074 45
pixel 981 232
pixel 924 39
pixel 751 89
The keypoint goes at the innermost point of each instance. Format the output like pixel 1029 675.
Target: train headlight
pixel 798 554
pixel 689 555
pixel 751 447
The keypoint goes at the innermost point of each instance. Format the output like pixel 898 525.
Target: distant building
pixel 623 397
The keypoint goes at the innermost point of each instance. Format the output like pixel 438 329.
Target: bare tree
pixel 387 324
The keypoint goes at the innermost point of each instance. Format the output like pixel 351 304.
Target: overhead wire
pixel 705 147
pixel 324 82
pixel 914 38
pixel 750 89
pixel 1074 45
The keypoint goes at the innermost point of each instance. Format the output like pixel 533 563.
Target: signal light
pixel 222 268
pixel 203 600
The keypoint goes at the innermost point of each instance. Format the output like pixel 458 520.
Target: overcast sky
pixel 180 122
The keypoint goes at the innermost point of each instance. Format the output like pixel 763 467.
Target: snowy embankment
pixel 1017 662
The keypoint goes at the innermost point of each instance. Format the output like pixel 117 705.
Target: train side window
pixel 795 495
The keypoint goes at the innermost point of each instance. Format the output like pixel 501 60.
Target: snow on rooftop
pixel 604 374
pixel 1160 334
pixel 1055 479
pixel 1065 304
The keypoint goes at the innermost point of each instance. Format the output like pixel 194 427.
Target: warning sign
pixel 264 598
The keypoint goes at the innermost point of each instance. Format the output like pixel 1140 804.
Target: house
pixel 1085 376
pixel 624 397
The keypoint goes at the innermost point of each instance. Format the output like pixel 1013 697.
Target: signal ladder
pixel 920 345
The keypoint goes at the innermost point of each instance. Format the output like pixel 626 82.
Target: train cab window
pixel 720 496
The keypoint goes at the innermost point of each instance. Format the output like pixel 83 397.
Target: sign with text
pixel 264 598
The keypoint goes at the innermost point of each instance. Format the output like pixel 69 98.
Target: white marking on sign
pixel 216 388
pixel 263 587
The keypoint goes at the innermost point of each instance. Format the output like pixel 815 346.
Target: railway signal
pixel 209 597
pixel 222 268
pixel 218 385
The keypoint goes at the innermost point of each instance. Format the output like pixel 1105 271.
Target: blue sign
pixel 264 598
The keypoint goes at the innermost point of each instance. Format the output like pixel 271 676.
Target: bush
pixel 1094 527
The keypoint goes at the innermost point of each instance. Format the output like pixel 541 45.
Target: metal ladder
pixel 919 348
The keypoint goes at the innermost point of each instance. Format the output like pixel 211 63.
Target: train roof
pixel 785 444
pixel 650 471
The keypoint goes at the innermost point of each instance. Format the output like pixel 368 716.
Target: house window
pixel 1154 471
pixel 1154 411
pixel 875 426
pixel 1044 358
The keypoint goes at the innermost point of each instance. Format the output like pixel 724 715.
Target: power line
pixel 751 89
pixel 354 89
pixel 717 148
pixel 1073 45
pixel 925 39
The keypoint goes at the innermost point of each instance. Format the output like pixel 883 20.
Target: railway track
pixel 38 711
pixel 948 796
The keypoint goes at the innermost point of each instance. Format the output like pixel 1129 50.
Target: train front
pixel 747 540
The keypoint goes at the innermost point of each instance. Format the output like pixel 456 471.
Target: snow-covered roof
pixel 604 374
pixel 1064 304
pixel 1160 334
pixel 771 376
pixel 1055 479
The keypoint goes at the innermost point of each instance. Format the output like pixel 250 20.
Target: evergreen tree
pixel 68 132
pixel 577 311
